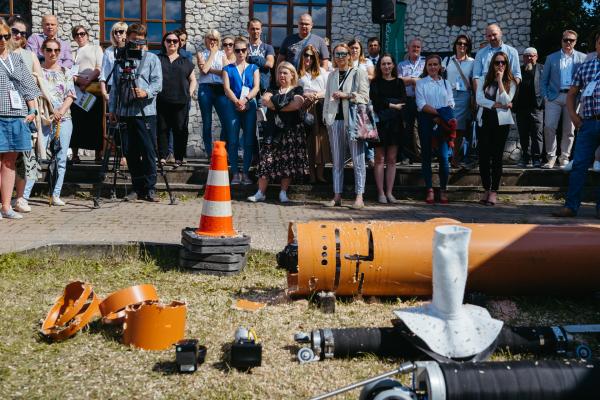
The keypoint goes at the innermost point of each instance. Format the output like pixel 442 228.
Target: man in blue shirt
pixel 136 107
pixel 493 34
pixel 259 53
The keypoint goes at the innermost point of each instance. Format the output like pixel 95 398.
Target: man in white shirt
pixel 559 69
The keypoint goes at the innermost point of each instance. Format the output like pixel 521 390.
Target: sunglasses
pixel 17 32
pixel 228 44
pixel 499 62
pixel 461 43
pixel 5 37
pixel 567 40
pixel 307 55
pixel 49 50
pixel 81 34
pixel 238 51
pixel 341 55
pixel 119 32
pixel 172 41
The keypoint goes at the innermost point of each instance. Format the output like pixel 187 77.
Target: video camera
pixel 125 56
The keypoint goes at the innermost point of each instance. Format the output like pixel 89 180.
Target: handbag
pixel 361 125
pixel 94 88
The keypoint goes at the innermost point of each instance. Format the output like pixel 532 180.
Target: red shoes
pixel 430 197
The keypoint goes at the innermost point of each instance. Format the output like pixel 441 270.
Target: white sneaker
pixel 11 214
pixel 56 201
pixel 258 196
pixel 283 197
pixel 567 167
pixel 596 166
pixel 562 162
pixel 21 205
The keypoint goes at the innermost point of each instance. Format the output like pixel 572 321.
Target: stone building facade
pixel 346 19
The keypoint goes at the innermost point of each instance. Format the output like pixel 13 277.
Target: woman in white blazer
pixel 494 118
pixel 344 85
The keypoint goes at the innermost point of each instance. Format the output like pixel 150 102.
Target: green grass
pixel 94 364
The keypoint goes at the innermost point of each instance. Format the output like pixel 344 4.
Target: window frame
pixel 11 11
pixel 291 25
pixel 143 20
pixel 465 19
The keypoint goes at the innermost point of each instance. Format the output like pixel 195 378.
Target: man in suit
pixel 530 109
pixel 558 75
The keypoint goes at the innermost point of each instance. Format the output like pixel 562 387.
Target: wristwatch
pixel 33 111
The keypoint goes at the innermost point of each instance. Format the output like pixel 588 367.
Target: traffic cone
pixel 216 218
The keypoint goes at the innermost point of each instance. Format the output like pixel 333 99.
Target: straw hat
pixel 448 327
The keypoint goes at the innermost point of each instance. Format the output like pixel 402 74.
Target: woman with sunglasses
pixel 283 153
pixel 26 164
pixel 344 85
pixel 388 94
pixel 210 91
pixel 87 125
pixel 178 84
pixel 117 40
pixel 61 88
pixel 459 73
pixel 494 118
pixel 434 103
pixel 228 43
pixel 242 83
pixel 313 79
pixel 17 109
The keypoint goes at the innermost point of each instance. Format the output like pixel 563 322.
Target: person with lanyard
pixel 241 82
pixel 409 71
pixel 292 46
pixel 18 91
pixel 50 31
pixel 559 69
pixel 137 109
pixel 459 74
pixel 178 84
pixel 373 49
pixel 586 83
pixel 259 53
pixel 59 83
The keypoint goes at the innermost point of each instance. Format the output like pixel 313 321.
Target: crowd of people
pixel 294 111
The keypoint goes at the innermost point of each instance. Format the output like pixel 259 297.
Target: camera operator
pixel 137 80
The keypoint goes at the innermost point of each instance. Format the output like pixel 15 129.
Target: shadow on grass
pixel 223 364
pixel 166 367
pixel 271 295
pixel 109 332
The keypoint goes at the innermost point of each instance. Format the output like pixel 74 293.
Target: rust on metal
pixel 394 258
pixel 154 326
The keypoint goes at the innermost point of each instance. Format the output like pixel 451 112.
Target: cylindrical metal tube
pixel 394 258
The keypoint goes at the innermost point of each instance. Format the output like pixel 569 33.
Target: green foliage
pixel 549 18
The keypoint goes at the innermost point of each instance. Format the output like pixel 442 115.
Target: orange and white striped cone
pixel 217 217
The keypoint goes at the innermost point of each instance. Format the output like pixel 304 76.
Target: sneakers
pixel 283 197
pixel 257 197
pixel 133 196
pixel 550 163
pixel 567 167
pixel 10 214
pixel 523 163
pixel 537 164
pixel 596 166
pixel 562 162
pixel 151 197
pixel 21 205
pixel 235 180
pixel 56 201
pixel 246 180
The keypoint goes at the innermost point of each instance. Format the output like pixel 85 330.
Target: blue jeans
pixel 245 120
pixel 587 141
pixel 207 99
pixel 66 129
pixel 426 134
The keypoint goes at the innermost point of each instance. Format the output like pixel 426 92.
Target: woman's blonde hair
pixel 11 45
pixel 117 26
pixel 289 67
pixel 314 69
pixel 345 47
pixel 213 34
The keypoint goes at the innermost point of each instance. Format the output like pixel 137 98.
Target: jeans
pixel 141 152
pixel 426 134
pixel 588 140
pixel 245 120
pixel 66 129
pixel 209 97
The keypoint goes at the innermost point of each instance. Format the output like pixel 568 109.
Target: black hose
pixel 543 380
pixel 536 340
pixel 379 341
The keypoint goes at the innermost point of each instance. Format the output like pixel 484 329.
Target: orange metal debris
pixel 113 307
pixel 153 326
pixel 394 258
pixel 71 312
pixel 247 305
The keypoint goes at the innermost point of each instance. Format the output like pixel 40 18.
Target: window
pixel 459 12
pixel 159 16
pixel 12 7
pixel 280 17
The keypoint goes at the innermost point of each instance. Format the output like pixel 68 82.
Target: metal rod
pixel 403 368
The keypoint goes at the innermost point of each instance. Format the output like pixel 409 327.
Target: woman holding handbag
pixel 388 95
pixel 459 74
pixel 345 84
pixel 435 105
pixel 494 118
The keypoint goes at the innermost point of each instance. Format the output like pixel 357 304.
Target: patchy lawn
pixel 94 364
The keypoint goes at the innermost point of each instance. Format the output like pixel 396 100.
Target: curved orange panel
pixel 120 299
pixel 153 326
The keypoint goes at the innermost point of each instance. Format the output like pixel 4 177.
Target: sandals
pixel 444 197
pixel 430 197
pixel 333 203
pixel 492 203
